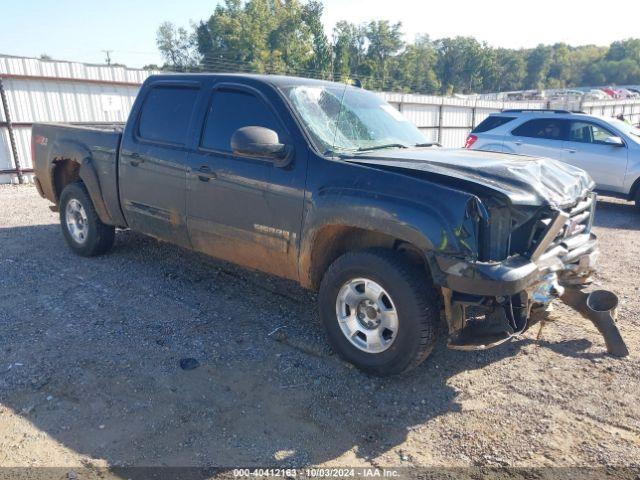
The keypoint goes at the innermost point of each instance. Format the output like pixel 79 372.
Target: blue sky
pixel 80 29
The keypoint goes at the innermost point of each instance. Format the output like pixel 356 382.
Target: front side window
pixel 586 132
pixel 547 128
pixel 165 114
pixel 231 110
pixel 348 119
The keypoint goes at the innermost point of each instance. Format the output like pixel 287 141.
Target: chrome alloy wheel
pixel 76 219
pixel 366 315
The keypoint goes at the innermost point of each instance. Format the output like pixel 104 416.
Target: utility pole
pixel 107 56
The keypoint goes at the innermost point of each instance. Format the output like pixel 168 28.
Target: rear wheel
pixel 637 198
pixel 82 228
pixel 380 311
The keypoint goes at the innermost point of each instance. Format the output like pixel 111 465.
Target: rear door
pixel 490 133
pixel 586 148
pixel 153 162
pixel 242 209
pixel 540 137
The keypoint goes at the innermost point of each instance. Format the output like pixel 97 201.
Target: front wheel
pixel 82 228
pixel 380 311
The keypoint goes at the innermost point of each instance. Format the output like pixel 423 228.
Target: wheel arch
pixel 635 189
pixel 73 164
pixel 333 240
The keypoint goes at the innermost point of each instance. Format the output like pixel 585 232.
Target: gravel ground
pixel 90 375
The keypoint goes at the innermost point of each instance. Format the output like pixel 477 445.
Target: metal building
pixel 54 91
pixel 35 90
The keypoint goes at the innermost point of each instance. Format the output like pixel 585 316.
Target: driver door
pixel 242 209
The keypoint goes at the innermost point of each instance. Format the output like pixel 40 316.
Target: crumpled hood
pixel 524 180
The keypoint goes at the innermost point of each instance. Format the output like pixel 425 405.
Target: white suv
pixel 608 149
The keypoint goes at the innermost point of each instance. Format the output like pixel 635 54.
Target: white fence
pixel 54 91
pixel 449 120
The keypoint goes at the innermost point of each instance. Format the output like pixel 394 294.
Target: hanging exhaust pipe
pixel 602 308
pixel 599 306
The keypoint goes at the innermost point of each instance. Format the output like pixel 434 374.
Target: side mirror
pixel 614 141
pixel 261 142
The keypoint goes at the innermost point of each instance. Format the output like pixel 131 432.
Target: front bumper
pixel 517 273
pixel 486 303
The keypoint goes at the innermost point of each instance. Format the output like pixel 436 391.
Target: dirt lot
pixel 90 375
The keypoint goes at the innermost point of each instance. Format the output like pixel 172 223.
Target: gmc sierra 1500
pixel 330 186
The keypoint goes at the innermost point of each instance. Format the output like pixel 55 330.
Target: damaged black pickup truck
pixel 330 186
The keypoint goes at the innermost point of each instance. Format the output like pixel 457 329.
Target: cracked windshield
pixel 347 119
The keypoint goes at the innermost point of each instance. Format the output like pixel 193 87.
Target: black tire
pixel 637 198
pixel 99 236
pixel 414 296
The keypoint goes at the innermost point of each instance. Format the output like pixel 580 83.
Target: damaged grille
pixel 579 222
pixel 568 234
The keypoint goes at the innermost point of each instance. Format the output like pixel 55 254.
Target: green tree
pixel 177 47
pixel 287 36
pixel 349 50
pixel 628 49
pixel 384 42
pixel 538 64
pixel 510 71
pixel 583 59
pixel 415 68
pixel 322 55
pixel 560 66
pixel 460 64
pixel 275 36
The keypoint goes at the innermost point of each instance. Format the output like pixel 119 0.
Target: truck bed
pixel 61 149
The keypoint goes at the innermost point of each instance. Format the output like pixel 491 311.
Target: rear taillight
pixel 37 140
pixel 471 139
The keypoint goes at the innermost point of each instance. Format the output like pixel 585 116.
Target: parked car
pixel 606 148
pixel 596 94
pixel 330 186
pixel 568 94
pixel 625 94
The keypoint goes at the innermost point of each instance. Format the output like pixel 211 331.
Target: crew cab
pixel 328 185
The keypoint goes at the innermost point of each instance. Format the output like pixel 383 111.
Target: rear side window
pixel 548 128
pixel 490 123
pixel 231 110
pixel 166 113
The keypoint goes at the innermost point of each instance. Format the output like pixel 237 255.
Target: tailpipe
pixel 602 310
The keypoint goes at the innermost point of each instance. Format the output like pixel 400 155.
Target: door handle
pixel 571 150
pixel 518 143
pixel 135 159
pixel 205 174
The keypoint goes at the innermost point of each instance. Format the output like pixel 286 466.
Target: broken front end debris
pixel 488 302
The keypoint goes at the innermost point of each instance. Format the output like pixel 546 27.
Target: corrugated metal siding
pixel 59 101
pixel 53 91
pixel 33 67
pixel 629 108
pixel 5 149
pixel 459 115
